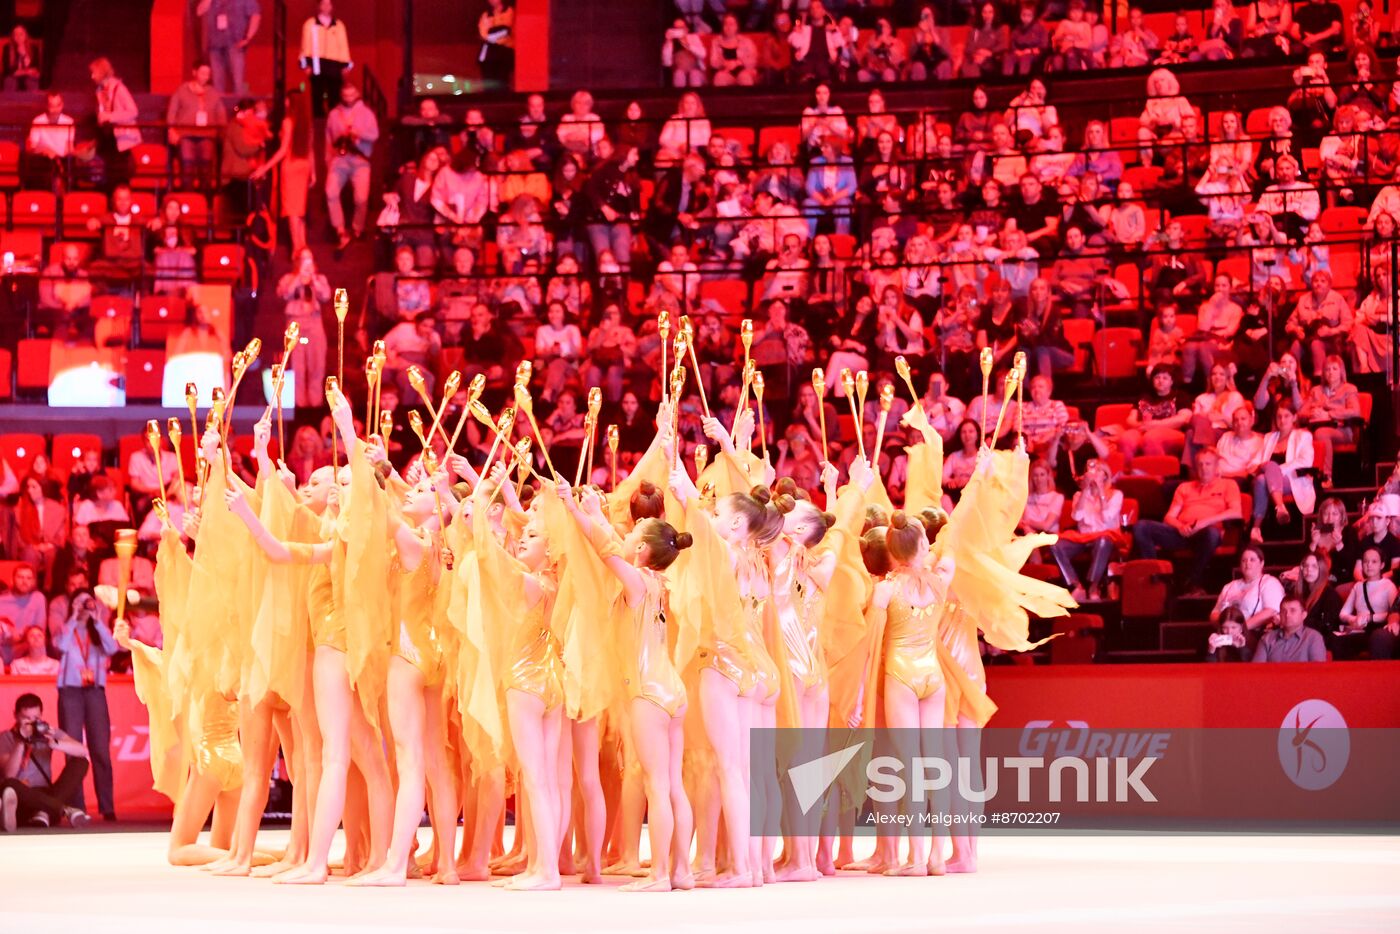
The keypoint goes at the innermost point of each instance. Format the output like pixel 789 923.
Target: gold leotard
pixel 798 617
pixel 327 622
pixel 748 663
pixel 728 661
pixel 958 632
pixel 537 665
pixel 653 676
pixel 216 751
pixel 911 655
pixel 413 598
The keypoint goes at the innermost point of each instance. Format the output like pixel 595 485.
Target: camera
pixel 40 733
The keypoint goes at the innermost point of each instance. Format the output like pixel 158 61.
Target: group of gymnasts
pixel 447 639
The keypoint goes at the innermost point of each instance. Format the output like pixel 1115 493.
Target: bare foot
pixel 303 875
pixel 648 885
pixel 962 862
pixel 800 874
pixel 384 877
pixel 510 866
pixel 218 864
pixel 728 880
pixel 446 876
pixel 533 884
pixel 908 870
pixel 625 868
pixel 233 868
pixel 415 871
pixel 590 877
pixel 682 880
pixel 469 873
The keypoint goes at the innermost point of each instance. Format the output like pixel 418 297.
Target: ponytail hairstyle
pixel 664 543
pixel 647 503
pixel 902 539
pixel 933 518
pixel 764 521
pixel 875 553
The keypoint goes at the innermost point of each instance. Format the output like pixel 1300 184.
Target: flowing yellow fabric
pixel 280 636
pixel 584 613
pixel 654 467
pixel 462 587
pixel 845 636
pixel 923 485
pixel 207 662
pixel 966 691
pixel 980 536
pixel 730 473
pixel 703 583
pixel 369 631
pixel 168 761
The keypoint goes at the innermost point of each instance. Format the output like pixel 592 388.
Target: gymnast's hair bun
pixel 829 518
pixel 647 488
pixel 684 540
pixel 785 503
pixel 899 520
pixel 762 494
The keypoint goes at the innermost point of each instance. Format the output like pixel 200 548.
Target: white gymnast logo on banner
pixel 1313 744
pixel 811 780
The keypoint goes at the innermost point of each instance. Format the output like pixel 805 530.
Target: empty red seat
pixel 194 207
pixel 150 164
pixel 79 207
pixel 160 313
pixel 33 209
pixel 145 372
pixel 32 370
pixel 222 262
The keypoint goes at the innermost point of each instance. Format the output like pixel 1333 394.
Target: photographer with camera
pixel 86 646
pixel 29 792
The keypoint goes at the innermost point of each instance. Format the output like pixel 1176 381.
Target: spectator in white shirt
pixel 1097 510
pixel 1293 203
pixel 1239 448
pixel 49 144
pixel 1217 323
pixel 36 659
pixel 1255 594
pixel 1044 504
pixel 103 507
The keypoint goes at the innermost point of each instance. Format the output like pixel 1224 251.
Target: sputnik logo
pixel 811 780
pixel 1313 744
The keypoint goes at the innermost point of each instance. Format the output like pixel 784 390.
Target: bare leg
pixel 798 851
pixel 968 737
pixel 407 713
pixel 490 803
pixel 628 829
pixel 650 737
pixel 442 787
pixel 190 813
pixel 594 815
pixel 681 816
pixel 333 705
pixel 535 732
pixel 902 717
pixel 367 753
pixel 259 743
pixel 724 709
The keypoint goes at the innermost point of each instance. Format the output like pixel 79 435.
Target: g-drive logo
pixel 1115 776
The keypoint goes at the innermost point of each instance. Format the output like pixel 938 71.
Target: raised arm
pixel 277 551
pixel 602 539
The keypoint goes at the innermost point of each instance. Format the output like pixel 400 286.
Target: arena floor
pixel 119 882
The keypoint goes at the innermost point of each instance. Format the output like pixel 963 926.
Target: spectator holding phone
pixel 86 646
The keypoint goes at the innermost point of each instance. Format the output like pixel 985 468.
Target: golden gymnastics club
pixel 987 359
pixel 758 405
pixel 702 456
pixel 1010 384
pixel 524 403
pixel 886 403
pixel 380 358
pixel 901 367
pixel 153 439
pixel 862 389
pixel 663 330
pixel 474 390
pixel 371 365
pixel 278 372
pixel 746 338
pixel 613 438
pixel 173 427
pixel 590 440
pixel 500 429
pixel 386 428
pixel 333 387
pixel 126 550
pixel 848 388
pixel 159 508
pixel 677 385
pixel 1018 364
pixel 192 400
pixel 689 333
pixel 748 374
pixel 215 421
pixel 449 389
pixel 523 465
pixel 415 421
pixel 819 386
pixel 342 311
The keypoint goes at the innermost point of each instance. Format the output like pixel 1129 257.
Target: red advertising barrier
pixel 131 748
pixel 1367 694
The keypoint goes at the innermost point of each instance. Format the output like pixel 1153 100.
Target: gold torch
pixel 590 432
pixel 819 386
pixel 758 406
pixel 153 439
pixel 902 368
pixel 613 440
pixel 474 390
pixel 886 402
pixel 986 360
pixel 663 331
pixel 126 550
pixel 1019 365
pixel 702 457
pixel 848 387
pixel 173 427
pixel 524 403
pixel 746 338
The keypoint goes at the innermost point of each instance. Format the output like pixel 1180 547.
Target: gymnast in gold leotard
pixel 656 695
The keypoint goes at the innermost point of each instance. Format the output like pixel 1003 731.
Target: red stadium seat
pixel 222 262
pixel 1116 352
pixel 159 314
pixel 145 372
pixel 143 204
pixel 32 371
pixel 194 207
pixel 775 134
pixel 19 450
pixel 1164 466
pixel 1079 334
pixel 150 166
pixel 33 209
pixel 78 208
pixel 68 449
pixel 1112 413
pixel 9 165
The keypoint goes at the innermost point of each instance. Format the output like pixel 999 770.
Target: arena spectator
pixel 1286 455
pixel 1321 323
pixel 1229 642
pixel 28 788
pixel 65 292
pixel 351 131
pixel 1291 201
pixel 24 605
pixel 86 646
pixel 305 292
pixel 194 115
pixel 324 56
pixel 35 660
pixel 43 527
pixel 1367 607
pixel 48 145
pixel 1330 411
pixel 733 56
pixel 229 28
pixel 1254 593
pixel 1224 34
pixel 1195 520
pixel 1158 423
pixel 683 54
pixel 1097 511
pixel 117 115
pixel 1028 43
